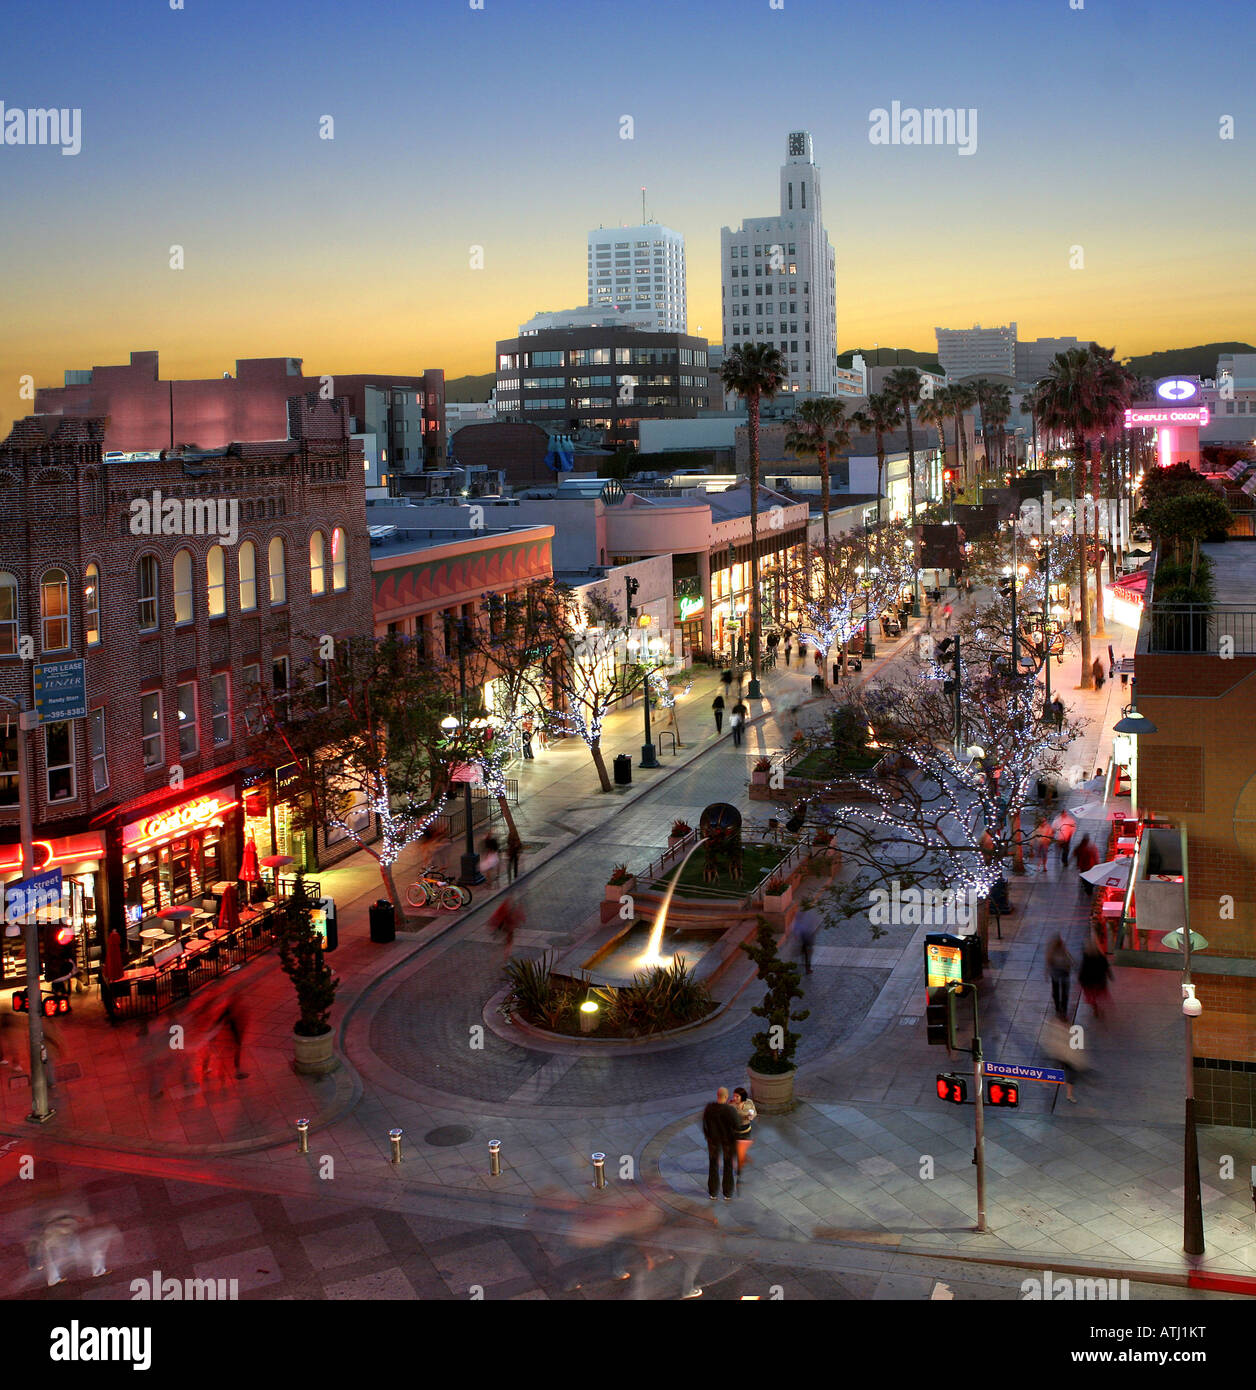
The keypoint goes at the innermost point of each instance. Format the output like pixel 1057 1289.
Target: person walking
pixel 727 678
pixel 1057 714
pixel 1096 670
pixel 1042 841
pixel 514 848
pixel 1057 1043
pixel 507 918
pixel 947 614
pixel 789 651
pixel 741 713
pixel 717 708
pixel 525 733
pixel 1093 976
pixel 491 860
pixel 1085 857
pixel 720 1123
pixel 1059 965
pixel 1064 828
pixel 805 926
pixel 746 1114
pixel 802 652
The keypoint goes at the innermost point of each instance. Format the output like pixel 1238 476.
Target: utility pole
pixel 979 1119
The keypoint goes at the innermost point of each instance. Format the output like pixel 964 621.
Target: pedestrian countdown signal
pixel 951 1087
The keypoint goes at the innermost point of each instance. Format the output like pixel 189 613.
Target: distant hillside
pixel 1191 361
pixel 892 357
pixel 470 389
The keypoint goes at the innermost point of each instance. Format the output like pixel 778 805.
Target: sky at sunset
pixel 1097 128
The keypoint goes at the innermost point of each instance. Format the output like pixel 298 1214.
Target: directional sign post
pixel 60 690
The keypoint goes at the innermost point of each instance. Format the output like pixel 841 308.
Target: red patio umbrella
pixel 229 910
pixel 113 956
pixel 249 872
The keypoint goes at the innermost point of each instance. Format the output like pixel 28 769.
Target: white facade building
pixel 587 316
pixel 779 278
pixel 640 268
pixel 977 351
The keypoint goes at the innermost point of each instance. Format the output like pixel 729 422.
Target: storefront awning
pixel 49 853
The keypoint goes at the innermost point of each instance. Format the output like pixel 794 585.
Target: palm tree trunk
pixel 1100 630
pixel 961 471
pixel 599 762
pixel 1088 680
pixel 752 404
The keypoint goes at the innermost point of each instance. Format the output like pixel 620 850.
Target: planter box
pixel 615 891
pixel 779 902
pixel 772 1094
pixel 314 1056
pixel 759 777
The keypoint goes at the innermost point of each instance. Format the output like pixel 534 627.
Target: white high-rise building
pixel 977 351
pixel 639 268
pixel 780 278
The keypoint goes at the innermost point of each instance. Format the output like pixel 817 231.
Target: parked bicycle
pixel 432 886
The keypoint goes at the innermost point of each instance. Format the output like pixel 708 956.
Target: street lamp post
pixel 649 757
pixel 40 1109
pixel 470 874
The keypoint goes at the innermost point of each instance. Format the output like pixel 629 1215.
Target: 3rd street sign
pixel 60 690
pixel 1012 1073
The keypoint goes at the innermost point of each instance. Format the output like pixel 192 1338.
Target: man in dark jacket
pixel 720 1123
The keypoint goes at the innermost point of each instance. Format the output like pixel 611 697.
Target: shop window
pixel 59 759
pixel 248 576
pixel 183 599
pixel 318 575
pixel 8 761
pixel 322 685
pixel 91 605
pixel 8 614
pixel 339 560
pixel 146 593
pixel 54 611
pixel 220 703
pixel 278 578
pixel 216 581
pixel 188 743
pixel 150 723
pixel 100 765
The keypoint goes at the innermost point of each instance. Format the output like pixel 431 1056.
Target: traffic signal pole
pixel 979 1119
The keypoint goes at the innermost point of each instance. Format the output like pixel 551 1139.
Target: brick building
pixel 152 796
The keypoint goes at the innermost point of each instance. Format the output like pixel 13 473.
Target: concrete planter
pixel 773 1094
pixel 779 902
pixel 759 777
pixel 314 1056
pixel 615 891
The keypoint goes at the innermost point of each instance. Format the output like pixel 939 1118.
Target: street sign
pixel 60 690
pixel 1013 1073
pixel 29 895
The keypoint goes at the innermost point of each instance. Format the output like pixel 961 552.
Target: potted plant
pixel 619 883
pixel 776 894
pixel 771 1067
pixel 759 773
pixel 680 828
pixel 301 955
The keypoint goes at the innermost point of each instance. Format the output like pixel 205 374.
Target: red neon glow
pixel 1166 448
pixel 192 815
pixel 52 852
pixel 1143 416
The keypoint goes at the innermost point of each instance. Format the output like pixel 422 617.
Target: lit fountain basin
pixel 618 960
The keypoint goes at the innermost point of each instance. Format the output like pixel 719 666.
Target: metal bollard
pixel 599 1171
pixel 394 1136
pixel 303 1136
pixel 495 1158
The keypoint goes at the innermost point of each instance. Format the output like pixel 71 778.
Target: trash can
pixel 623 770
pixel 837 672
pixel 383 921
pixel 817 685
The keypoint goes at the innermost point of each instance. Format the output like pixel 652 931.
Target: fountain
pixel 720 825
pixel 650 956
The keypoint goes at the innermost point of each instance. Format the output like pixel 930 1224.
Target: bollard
pixel 599 1171
pixel 303 1136
pixel 394 1136
pixel 495 1158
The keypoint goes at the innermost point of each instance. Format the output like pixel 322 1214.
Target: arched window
pixel 339 560
pixel 216 581
pixel 8 614
pixel 318 574
pixel 54 610
pixel 184 610
pixel 146 593
pixel 248 576
pixel 91 605
pixel 278 579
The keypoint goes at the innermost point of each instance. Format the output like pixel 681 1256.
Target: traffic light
pixel 1000 1092
pixel 940 1017
pixel 951 1087
pixel 946 475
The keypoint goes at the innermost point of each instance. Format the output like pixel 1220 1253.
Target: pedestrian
pixel 1096 670
pixel 717 707
pixel 738 722
pixel 1064 827
pixel 1085 857
pixel 928 617
pixel 802 652
pixel 1057 1043
pixel 746 1114
pixel 720 1123
pixel 490 860
pixel 1057 714
pixel 727 678
pixel 234 1023
pixel 525 733
pixel 1059 964
pixel 946 615
pixel 819 661
pixel 805 926
pixel 51 1040
pixel 1093 976
pixel 1042 841
pixel 1111 663
pixel 789 651
pixel 507 918
pixel 514 847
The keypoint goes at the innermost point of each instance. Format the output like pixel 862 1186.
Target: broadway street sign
pixel 1011 1073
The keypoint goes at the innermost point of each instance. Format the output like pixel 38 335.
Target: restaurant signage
pixel 192 815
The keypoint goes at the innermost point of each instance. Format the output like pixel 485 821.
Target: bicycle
pixel 433 887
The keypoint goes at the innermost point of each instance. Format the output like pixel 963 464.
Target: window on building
pixel 278 577
pixel 9 793
pixel 59 760
pixel 188 740
pixel 318 574
pixel 216 581
pixel 220 705
pixel 183 599
pixel 248 576
pixel 54 610
pixel 339 560
pixel 146 593
pixel 91 605
pixel 150 724
pixel 279 684
pixel 252 677
pixel 321 691
pixel 96 736
pixel 8 614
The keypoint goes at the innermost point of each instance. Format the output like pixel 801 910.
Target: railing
pixel 484 808
pixel 1217 628
pixel 285 887
pixel 799 851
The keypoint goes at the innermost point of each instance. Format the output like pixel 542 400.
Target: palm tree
pixel 820 425
pixel 960 397
pixel 904 385
pixel 756 372
pixel 996 411
pixel 1112 387
pixel 1029 406
pixel 933 410
pixel 882 414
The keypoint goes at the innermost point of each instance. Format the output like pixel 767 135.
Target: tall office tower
pixel 789 261
pixel 640 268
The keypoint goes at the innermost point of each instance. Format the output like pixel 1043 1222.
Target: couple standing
pixel 726 1127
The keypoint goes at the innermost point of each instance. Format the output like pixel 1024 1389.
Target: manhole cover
pixel 448 1135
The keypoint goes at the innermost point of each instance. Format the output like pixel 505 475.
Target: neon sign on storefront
pixel 192 815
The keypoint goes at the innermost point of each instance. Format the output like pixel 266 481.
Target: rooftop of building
pixel 388 541
pixel 1233 572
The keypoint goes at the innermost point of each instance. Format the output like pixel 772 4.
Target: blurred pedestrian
pixel 738 722
pixel 1057 1043
pixel 1096 670
pixel 1057 714
pixel 789 651
pixel 1093 976
pixel 1085 857
pixel 717 708
pixel 514 848
pixel 1059 965
pixel 727 678
pixel 720 1123
pixel 1064 827
pixel 507 918
pixel 804 928
pixel 525 734
pixel 1042 841
pixel 802 652
pixel 491 860
pixel 947 614
pixel 747 1114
